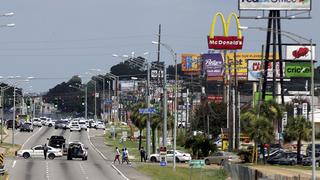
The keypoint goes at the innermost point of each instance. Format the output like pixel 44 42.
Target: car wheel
pixel 207 162
pixel 70 130
pixel 26 155
pixel 153 159
pixel 177 159
pixel 51 156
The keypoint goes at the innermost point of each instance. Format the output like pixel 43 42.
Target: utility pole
pixel 236 104
pixel 148 106
pixel 158 55
pixel 14 114
pixel 86 102
pixel 95 100
pixel 165 107
pixel 1 107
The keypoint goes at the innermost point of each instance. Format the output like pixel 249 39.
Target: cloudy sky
pixel 55 39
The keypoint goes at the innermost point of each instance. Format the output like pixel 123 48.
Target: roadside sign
pixel 163 156
pixel 196 163
pixel 108 101
pixel 147 111
pixel 1 158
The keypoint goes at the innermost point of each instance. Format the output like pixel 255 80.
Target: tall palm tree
pixel 155 122
pixel 272 111
pixel 139 120
pixel 298 128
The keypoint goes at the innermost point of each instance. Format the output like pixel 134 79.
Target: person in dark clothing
pixel 143 154
pixel 45 151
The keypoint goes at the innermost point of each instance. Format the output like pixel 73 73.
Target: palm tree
pixel 272 111
pixel 298 128
pixel 139 120
pixel 155 121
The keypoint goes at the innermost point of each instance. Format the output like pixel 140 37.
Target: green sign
pixel 297 69
pixel 196 163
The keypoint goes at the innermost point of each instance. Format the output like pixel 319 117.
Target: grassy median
pixel 181 173
pixel 9 149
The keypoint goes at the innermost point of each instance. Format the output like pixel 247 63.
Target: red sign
pixel 225 42
pixel 216 99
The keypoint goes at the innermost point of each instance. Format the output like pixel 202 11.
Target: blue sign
pixel 147 111
pixel 163 163
pixel 108 101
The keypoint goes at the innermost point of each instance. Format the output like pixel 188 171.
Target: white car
pixel 74 126
pixel 83 125
pixel 180 156
pixel 100 125
pixel 50 122
pixel 36 122
pixel 37 151
pixel 43 120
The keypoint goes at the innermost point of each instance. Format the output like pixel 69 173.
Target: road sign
pixel 196 163
pixel 147 111
pixel 108 101
pixel 1 158
pixel 163 156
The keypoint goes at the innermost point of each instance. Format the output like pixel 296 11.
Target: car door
pixel 37 151
pixel 169 155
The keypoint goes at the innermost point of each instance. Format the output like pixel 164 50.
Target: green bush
pixel 200 145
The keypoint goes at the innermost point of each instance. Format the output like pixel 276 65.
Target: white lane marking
pixel 47 170
pixel 16 133
pixel 14 163
pixel 83 171
pixel 30 137
pixel 99 152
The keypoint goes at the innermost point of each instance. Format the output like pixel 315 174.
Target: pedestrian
pixel 143 154
pixel 125 155
pixel 45 151
pixel 122 156
pixel 117 157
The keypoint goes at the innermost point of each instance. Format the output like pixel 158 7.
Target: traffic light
pixel 28 103
pixel 83 101
pixel 56 102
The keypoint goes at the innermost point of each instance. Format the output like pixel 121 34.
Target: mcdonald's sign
pixel 225 41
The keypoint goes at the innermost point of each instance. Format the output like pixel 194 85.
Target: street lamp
pixel 174 55
pixel 290 35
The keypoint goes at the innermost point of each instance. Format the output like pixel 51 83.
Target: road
pixel 60 168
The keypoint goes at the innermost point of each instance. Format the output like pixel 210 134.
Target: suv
pixel 317 150
pixel 27 126
pixel 83 125
pixel 74 126
pixel 77 150
pixel 10 124
pixel 57 142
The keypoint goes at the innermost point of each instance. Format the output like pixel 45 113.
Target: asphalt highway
pixel 60 168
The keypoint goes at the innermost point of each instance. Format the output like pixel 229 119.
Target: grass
pixel 9 150
pixel 181 173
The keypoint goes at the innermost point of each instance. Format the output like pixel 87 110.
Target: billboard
pixel 226 41
pixel 255 70
pixel 302 5
pixel 298 69
pixel 298 52
pixel 191 63
pixel 213 66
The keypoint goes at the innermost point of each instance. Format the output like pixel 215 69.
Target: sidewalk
pixel 128 170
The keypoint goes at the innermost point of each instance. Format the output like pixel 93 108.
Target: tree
pixel 155 121
pixel 272 111
pixel 139 120
pixel 298 128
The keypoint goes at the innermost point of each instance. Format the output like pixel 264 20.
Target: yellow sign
pixel 242 63
pixel 1 158
pixel 191 63
pixel 225 25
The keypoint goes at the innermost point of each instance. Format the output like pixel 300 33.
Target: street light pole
pixel 14 114
pixel 86 102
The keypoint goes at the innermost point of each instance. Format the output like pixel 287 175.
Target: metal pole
pixel 95 100
pixel 109 96
pixel 165 107
pixel 176 112
pixel 312 116
pixel 86 102
pixel 103 94
pixel 148 106
pixel 14 114
pixel 187 112
pixel 2 118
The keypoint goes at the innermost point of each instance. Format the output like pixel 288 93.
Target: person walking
pixel 125 156
pixel 143 154
pixel 45 151
pixel 117 156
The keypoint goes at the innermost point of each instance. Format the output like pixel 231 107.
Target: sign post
pixel 163 156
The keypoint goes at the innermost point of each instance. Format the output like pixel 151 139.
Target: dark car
pixel 27 127
pixel 58 125
pixel 9 124
pixel 57 142
pixel 284 158
pixel 317 150
pixel 77 150
pixel 307 161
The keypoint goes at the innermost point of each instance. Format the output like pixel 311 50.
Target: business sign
pixel 242 63
pixel 298 52
pixel 304 5
pixel 213 66
pixel 255 69
pixel 216 99
pixel 225 41
pixel 297 69
pixel 191 63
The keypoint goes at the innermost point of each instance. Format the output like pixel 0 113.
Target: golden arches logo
pixel 225 41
